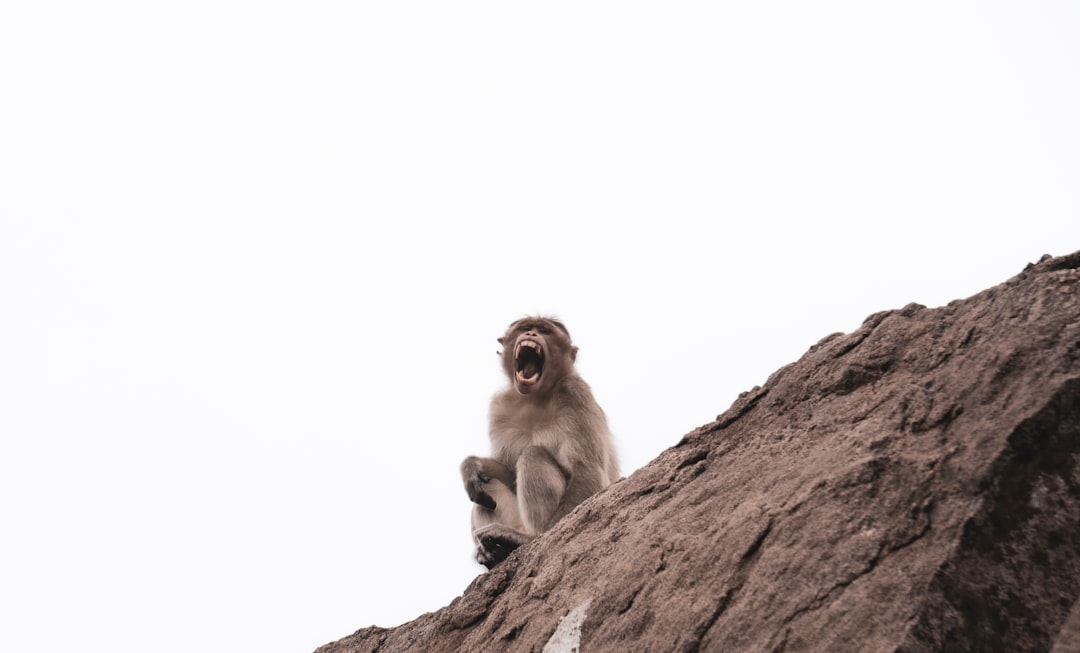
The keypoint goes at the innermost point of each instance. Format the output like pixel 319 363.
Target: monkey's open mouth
pixel 528 361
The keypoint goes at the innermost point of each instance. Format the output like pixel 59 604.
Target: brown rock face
pixel 911 486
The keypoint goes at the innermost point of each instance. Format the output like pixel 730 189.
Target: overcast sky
pixel 254 258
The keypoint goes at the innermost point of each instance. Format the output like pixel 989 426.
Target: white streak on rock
pixel 567 636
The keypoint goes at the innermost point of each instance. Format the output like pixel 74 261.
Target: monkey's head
pixel 537 354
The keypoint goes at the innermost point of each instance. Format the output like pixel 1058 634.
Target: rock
pixel 911 486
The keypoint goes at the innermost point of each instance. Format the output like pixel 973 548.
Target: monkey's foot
pixel 496 543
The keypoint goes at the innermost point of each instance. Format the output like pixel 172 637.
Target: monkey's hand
pixel 474 476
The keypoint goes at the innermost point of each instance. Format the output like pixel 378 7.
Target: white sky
pixel 254 258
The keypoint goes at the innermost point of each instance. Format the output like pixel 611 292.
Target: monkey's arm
pixel 476 472
pixel 585 454
pixel 586 479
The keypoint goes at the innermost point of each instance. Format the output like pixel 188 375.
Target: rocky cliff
pixel 911 486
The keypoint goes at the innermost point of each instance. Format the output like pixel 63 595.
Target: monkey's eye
pixel 544 330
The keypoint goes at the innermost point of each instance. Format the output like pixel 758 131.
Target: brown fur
pixel 550 444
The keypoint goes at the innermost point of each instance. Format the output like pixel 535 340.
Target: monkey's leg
pixel 496 521
pixel 497 532
pixel 505 511
pixel 541 484
pixel 477 473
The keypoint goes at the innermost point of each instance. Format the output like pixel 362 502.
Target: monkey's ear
pixel 573 353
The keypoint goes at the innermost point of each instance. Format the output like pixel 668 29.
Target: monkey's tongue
pixel 530 369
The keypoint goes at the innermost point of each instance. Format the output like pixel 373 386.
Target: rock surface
pixel 911 486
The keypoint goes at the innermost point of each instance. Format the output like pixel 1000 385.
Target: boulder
pixel 911 486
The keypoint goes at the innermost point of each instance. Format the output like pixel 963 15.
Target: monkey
pixel 550 444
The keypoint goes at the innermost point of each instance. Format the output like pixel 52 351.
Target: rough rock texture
pixel 911 486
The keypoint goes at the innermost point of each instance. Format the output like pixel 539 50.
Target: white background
pixel 254 257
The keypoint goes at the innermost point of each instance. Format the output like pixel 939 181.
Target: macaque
pixel 550 444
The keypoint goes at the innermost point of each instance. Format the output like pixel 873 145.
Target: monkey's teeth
pixel 528 343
